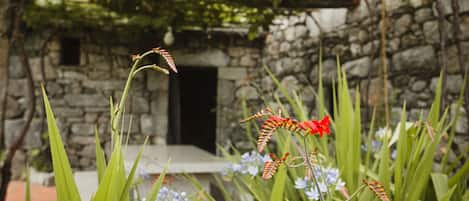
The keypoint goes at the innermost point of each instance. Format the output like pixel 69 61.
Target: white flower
pixel 266 158
pixel 312 194
pixel 381 132
pixel 340 184
pixel 322 187
pixel 253 170
pixel 301 183
pixel 236 167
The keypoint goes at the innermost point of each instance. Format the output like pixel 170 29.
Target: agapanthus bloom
pixel 250 164
pixel 301 183
pixel 328 179
pixel 317 127
pixel 165 194
pixel 382 132
pixel 312 193
pixel 375 146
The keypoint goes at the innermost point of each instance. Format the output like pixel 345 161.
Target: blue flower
pixel 266 158
pixel 168 195
pixel 322 187
pixel 394 154
pixel 381 132
pixel 253 170
pixel 312 194
pixel 301 183
pixel 339 185
pixel 245 157
pixel 236 167
pixel 250 163
pixel 374 146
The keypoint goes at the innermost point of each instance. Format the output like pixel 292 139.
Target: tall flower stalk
pixel 118 111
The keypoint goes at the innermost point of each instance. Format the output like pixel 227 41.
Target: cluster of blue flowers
pixel 375 145
pixel 251 163
pixel 166 194
pixel 328 179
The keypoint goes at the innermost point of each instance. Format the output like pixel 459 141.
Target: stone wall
pixel 79 94
pixel 292 53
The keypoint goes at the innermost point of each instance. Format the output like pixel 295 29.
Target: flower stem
pixel 356 193
pixel 120 107
pixel 315 180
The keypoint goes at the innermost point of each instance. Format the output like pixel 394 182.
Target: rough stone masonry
pixel 79 94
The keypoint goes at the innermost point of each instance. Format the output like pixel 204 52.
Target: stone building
pixel 221 67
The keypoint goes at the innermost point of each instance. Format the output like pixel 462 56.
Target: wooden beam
pixel 302 4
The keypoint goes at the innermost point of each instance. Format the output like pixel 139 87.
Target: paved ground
pixel 38 192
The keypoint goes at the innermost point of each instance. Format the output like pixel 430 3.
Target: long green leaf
pixel 157 185
pixel 279 184
pixel 460 175
pixel 321 106
pixel 100 159
pixel 401 153
pixel 125 192
pixel 110 186
pixel 27 190
pixel 447 196
pixel 246 113
pixel 440 184
pixel 223 189
pixel 347 125
pixel 65 185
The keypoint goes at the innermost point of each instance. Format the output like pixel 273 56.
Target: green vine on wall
pixel 136 16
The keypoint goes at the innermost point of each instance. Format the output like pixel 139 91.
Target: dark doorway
pixel 192 107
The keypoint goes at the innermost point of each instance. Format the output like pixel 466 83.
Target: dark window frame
pixel 70 51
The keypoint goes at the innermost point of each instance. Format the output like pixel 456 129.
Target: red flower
pixel 314 127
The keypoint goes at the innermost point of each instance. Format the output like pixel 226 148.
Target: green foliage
pixel 134 16
pixel 27 190
pixel 407 176
pixel 65 185
pixel 100 159
pixel 156 186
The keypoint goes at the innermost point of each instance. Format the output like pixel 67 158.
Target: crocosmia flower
pixel 317 127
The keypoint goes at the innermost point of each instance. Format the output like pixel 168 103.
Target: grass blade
pixel 128 183
pixel 65 185
pixel 100 159
pixel 279 184
pixel 27 191
pixel 440 184
pixel 110 183
pixel 157 185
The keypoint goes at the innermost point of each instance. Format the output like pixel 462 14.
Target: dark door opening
pixel 192 107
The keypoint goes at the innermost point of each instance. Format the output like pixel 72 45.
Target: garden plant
pixel 114 182
pixel 392 163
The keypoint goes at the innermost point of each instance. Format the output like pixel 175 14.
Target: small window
pixel 70 51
